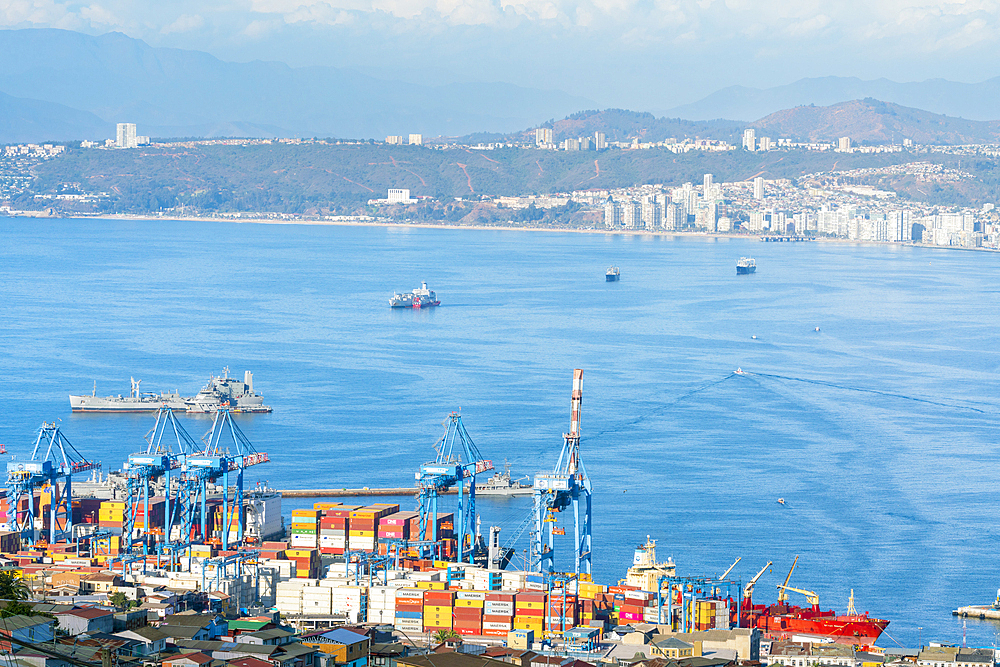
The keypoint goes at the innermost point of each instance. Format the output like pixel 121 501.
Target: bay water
pixel 879 429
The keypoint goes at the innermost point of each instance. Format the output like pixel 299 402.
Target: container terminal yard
pixel 171 561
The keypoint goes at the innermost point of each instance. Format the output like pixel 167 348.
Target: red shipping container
pixel 494 618
pixel 500 597
pixel 475 632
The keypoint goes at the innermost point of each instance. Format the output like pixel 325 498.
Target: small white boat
pixel 781 501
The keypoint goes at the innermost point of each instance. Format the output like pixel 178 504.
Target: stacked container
pixel 397 526
pixel 410 610
pixel 352 601
pixel 498 614
pixel 381 604
pixel 5 511
pixel 467 616
pixel 561 612
pixel 304 529
pixel 711 614
pixel 333 529
pixel 112 516
pixel 529 611
pixel 307 562
pixel 363 529
pixel 438 609
pixel 288 596
pixel 635 606
pixel 317 600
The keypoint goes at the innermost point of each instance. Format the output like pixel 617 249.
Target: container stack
pixel 157 512
pixel 397 526
pixel 534 582
pixel 410 610
pixel 363 529
pixel 498 614
pixel 333 529
pixel 112 516
pixel 381 604
pixel 711 614
pixel 351 601
pixel 288 596
pixel 561 612
pixel 484 580
pixel 317 600
pixel 438 609
pixel 307 562
pixel 467 616
pixel 529 611
pixel 304 529
pixel 5 511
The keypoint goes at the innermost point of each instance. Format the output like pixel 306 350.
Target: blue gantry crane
pixel 458 460
pixel 215 461
pixel 568 485
pixel 164 456
pixel 54 461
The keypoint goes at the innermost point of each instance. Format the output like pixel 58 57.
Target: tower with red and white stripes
pixel 566 486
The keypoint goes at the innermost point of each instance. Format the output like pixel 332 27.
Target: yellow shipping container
pixel 518 604
pixel 437 609
pixel 523 623
pixel 300 553
pixel 442 564
pixel 117 504
pixel 476 604
pixel 361 533
pixel 322 507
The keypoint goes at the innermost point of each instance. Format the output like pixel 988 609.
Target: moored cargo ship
pixel 418 298
pixel 234 394
pixel 746 266
pixel 787 621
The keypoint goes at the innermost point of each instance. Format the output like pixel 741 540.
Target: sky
pixel 641 54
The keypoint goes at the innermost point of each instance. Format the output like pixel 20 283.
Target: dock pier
pixel 983 611
pixel 352 493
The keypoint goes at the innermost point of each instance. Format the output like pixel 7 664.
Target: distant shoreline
pixel 428 225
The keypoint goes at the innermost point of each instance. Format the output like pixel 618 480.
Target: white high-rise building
pixel 399 196
pixel 900 225
pixel 844 144
pixel 600 141
pixel 652 212
pixel 394 139
pixel 570 145
pixel 126 137
pixel 707 189
pixel 672 217
pixel 416 140
pixel 765 143
pixel 750 139
pixel 632 215
pixel 758 188
pixel 756 221
pixel 543 136
pixel 612 214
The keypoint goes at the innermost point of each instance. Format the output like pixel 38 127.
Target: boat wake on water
pixel 741 372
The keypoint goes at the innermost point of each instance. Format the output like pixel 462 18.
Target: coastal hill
pixel 871 120
pixel 968 100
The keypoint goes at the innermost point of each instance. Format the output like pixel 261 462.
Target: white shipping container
pixel 498 608
pixel 470 595
pixel 495 625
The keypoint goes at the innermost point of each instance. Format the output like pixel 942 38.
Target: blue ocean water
pixel 879 430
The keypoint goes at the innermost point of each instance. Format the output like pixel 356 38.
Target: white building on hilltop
pixel 126 137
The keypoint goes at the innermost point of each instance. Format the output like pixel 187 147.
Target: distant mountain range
pixel 71 79
pixel 978 101
pixel 877 122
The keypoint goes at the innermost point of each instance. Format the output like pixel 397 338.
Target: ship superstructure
pixel 746 266
pixel 645 572
pixel 222 391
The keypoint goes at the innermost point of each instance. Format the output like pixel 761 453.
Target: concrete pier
pixel 978 611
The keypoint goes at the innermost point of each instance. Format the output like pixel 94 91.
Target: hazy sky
pixel 632 53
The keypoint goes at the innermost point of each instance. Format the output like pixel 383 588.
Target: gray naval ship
pixel 237 395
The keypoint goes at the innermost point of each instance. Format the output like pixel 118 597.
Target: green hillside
pixel 309 177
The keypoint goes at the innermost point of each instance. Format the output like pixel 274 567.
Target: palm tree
pixel 441 636
pixel 12 587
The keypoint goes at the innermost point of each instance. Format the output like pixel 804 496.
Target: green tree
pixel 442 636
pixel 120 600
pixel 12 587
pixel 16 608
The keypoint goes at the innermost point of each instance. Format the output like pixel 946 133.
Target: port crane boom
pixel 782 595
pixel 568 485
pixel 810 595
pixel 748 589
pixel 725 574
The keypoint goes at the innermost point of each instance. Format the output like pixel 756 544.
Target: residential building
pixel 632 215
pixel 399 196
pixel 188 659
pixel 36 629
pixel 707 187
pixel 416 140
pixel 570 145
pixel 600 141
pixel 844 144
pixel 758 188
pixel 126 137
pixel 151 640
pixel 612 214
pixel 87 620
pixel 394 139
pixel 750 139
pixel 340 648
pixel 543 136
pixel 764 143
pixel 652 212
